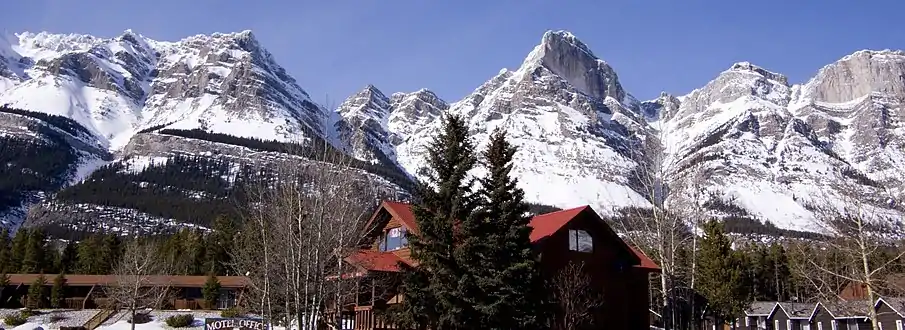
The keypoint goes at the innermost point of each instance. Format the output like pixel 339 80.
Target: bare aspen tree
pixel 140 279
pixel 858 232
pixel 657 231
pixel 575 298
pixel 305 218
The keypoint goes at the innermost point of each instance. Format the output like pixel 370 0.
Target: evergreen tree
pixel 66 260
pixel 19 244
pixel 211 291
pixel 56 292
pixel 35 250
pixel 35 298
pixel 110 252
pixel 721 274
pixel 781 274
pixel 501 277
pixel 88 256
pixel 5 253
pixel 4 282
pixel 445 198
pixel 219 244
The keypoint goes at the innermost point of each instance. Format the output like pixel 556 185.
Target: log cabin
pixel 88 291
pixel 617 270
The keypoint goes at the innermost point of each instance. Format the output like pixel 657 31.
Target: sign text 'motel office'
pixel 233 323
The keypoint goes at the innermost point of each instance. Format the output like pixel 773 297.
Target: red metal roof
pixel 375 260
pixel 543 225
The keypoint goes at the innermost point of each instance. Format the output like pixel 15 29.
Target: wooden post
pixel 88 296
pixel 373 289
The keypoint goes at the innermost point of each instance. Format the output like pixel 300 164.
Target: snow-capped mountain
pixel 767 148
pixel 204 102
pixel 114 87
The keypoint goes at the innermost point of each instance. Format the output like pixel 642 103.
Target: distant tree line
pixel 190 189
pixel 31 165
pixel 190 252
pixel 316 150
pixel 68 125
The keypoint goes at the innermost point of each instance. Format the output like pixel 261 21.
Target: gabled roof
pixel 761 308
pixel 852 309
pixel 543 226
pixel 796 310
pixel 897 304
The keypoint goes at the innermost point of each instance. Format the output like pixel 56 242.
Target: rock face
pixel 765 148
pixel 225 83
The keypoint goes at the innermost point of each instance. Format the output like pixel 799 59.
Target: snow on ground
pixel 52 319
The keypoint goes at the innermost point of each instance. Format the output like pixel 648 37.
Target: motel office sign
pixel 233 324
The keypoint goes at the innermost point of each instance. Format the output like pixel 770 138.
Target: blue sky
pixel 335 48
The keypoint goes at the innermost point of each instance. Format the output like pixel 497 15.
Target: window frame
pixel 575 238
pixel 383 244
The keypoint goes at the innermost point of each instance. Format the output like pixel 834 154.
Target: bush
pixel 140 318
pixel 231 313
pixel 15 319
pixel 181 321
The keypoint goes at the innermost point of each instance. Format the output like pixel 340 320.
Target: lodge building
pixel 88 291
pixel 618 272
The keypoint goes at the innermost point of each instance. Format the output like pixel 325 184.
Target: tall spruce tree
pixel 444 198
pixel 721 274
pixel 220 242
pixel 66 259
pixel 35 298
pixel 5 253
pixel 501 278
pixel 211 291
pixel 56 292
pixel 33 261
pixel 88 256
pixel 19 244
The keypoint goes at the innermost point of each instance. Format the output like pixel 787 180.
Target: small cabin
pixel 615 268
pixel 841 315
pixel 756 315
pixel 791 316
pixel 890 313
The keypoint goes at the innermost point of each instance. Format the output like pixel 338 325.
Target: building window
pixel 806 326
pixel 776 324
pixel 899 325
pixel 393 239
pixel 880 325
pixel 834 325
pixel 789 324
pixel 852 325
pixel 580 240
pixel 820 325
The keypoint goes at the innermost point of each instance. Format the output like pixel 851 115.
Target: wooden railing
pixel 99 318
pixel 362 318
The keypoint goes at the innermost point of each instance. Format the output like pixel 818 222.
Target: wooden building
pixel 791 316
pixel 88 291
pixel 841 315
pixel 756 315
pixel 890 313
pixel 618 271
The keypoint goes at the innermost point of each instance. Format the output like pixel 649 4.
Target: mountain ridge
pixel 766 144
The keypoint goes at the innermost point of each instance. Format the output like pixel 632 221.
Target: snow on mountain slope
pixel 225 83
pixel 767 149
pixel 563 107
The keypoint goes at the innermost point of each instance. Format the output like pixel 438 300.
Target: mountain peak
pixel 563 54
pixel 751 68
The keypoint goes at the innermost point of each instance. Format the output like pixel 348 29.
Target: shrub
pixel 231 313
pixel 140 318
pixel 181 321
pixel 15 319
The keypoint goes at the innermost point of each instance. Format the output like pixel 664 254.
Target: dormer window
pixel 580 240
pixel 393 239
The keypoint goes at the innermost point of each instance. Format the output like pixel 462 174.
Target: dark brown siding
pixel 823 317
pixel 780 316
pixel 887 316
pixel 624 289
